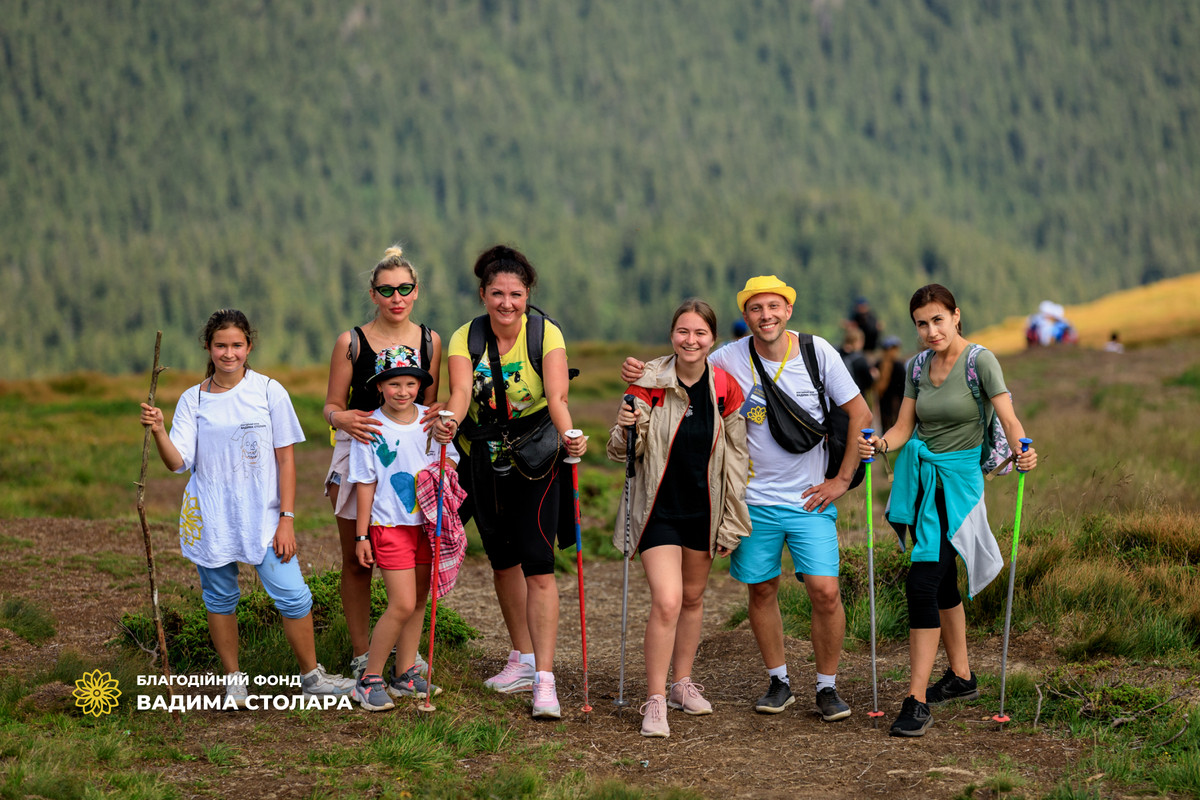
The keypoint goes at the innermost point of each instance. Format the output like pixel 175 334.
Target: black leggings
pixel 932 586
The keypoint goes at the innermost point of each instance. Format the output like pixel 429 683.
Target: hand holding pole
pixel 875 713
pixel 573 434
pixel 1012 576
pixel 433 579
pixel 630 442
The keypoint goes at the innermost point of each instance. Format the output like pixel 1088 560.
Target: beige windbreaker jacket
pixel 728 462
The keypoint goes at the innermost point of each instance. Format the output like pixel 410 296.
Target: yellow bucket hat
pixel 765 283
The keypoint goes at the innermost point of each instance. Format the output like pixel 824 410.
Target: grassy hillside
pixel 160 160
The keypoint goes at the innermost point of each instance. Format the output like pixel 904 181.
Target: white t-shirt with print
pixel 777 477
pixel 392 461
pixel 228 440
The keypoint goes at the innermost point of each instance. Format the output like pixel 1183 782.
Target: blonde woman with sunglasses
pixel 349 407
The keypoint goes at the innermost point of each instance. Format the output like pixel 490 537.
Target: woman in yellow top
pixel 516 509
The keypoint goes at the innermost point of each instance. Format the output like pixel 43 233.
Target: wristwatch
pixel 287 514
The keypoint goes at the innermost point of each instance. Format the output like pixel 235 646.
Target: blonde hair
pixel 393 258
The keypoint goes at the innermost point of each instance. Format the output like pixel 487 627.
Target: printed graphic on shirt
pixel 518 395
pixel 404 484
pixel 385 454
pixel 755 407
pixel 250 436
pixel 191 523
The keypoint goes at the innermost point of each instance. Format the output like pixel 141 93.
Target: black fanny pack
pixel 791 426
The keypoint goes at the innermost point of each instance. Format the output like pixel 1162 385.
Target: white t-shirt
pixel 392 462
pixel 777 477
pixel 231 503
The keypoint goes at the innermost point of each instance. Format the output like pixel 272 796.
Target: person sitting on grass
pixel 234 431
pixel 391 525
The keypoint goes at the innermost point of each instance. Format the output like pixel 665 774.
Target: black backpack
pixel 535 333
pixel 837 420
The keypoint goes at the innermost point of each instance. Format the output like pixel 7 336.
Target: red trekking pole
pixel 575 433
pixel 433 578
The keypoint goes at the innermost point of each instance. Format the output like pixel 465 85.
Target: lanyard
pixel 778 372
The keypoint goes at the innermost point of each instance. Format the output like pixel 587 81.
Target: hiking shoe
pixel 913 720
pixel 410 684
pixel 951 687
pixel 545 700
pixel 654 717
pixel 237 687
pixel 321 682
pixel 422 665
pixel 686 697
pixel 777 698
pixel 371 693
pixel 515 677
pixel 358 665
pixel 831 706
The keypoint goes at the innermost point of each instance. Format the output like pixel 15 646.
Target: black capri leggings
pixel 932 586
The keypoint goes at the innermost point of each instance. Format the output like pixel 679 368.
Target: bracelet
pixel 362 538
pixel 329 418
pixel 886 447
pixel 288 514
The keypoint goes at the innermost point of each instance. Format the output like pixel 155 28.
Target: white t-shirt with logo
pixel 777 477
pixel 392 460
pixel 231 504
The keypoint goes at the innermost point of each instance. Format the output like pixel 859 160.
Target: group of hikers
pixel 736 452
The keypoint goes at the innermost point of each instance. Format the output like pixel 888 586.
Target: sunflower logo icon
pixel 96 693
pixel 191 523
pixel 757 414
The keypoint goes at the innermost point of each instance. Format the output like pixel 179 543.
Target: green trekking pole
pixel 876 713
pixel 1012 577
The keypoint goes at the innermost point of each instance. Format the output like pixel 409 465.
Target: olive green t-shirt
pixel 947 415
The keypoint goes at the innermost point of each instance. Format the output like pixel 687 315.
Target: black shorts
pixel 520 519
pixel 691 534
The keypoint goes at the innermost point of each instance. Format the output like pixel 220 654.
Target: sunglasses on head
pixel 405 289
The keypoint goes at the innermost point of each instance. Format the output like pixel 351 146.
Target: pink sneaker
pixel 545 700
pixel 654 717
pixel 515 677
pixel 686 697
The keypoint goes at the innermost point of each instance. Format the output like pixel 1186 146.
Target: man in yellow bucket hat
pixel 790 499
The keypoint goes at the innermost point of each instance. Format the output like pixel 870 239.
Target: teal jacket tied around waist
pixel 918 468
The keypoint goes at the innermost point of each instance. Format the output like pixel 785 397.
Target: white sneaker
pixel 237 687
pixel 358 665
pixel 545 700
pixel 515 677
pixel 321 682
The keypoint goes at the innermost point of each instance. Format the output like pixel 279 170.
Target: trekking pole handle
pixel 630 437
pixel 866 432
pixel 1025 442
pixel 574 433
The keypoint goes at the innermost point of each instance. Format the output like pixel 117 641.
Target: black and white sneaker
pixel 777 698
pixel 951 687
pixel 831 706
pixel 913 720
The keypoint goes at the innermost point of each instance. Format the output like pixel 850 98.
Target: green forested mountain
pixel 159 160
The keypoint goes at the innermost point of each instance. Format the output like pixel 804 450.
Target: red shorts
pixel 400 546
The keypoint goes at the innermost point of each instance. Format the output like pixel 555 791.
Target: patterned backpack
pixel 995 444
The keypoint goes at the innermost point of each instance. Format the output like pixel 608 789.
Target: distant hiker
pixel 349 410
pixel 789 494
pixel 1113 345
pixel 510 397
pixel 234 431
pixel 852 356
pixel 739 329
pixel 392 527
pixel 937 497
pixel 688 500
pixel 863 318
pixel 889 385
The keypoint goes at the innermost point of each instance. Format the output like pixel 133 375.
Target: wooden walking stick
pixel 141 507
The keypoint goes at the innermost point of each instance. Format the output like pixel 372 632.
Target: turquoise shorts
pixel 811 537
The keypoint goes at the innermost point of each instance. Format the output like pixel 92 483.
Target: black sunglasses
pixel 405 289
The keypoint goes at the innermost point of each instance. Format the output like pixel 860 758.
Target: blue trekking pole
pixel 876 713
pixel 437 548
pixel 1012 576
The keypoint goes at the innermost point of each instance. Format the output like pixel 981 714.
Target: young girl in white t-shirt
pixel 234 431
pixel 390 530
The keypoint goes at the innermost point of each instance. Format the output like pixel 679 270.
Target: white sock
pixel 543 677
pixel 527 658
pixel 779 672
pixel 826 681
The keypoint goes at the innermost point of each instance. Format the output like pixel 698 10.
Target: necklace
pixel 397 420
pixel 213 380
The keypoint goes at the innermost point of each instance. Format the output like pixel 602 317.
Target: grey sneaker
pixel 422 666
pixel 654 717
pixel 778 697
pixel 951 687
pixel 913 720
pixel 321 682
pixel 515 677
pixel 410 684
pixel 358 665
pixel 831 706
pixel 371 693
pixel 237 686
pixel 685 696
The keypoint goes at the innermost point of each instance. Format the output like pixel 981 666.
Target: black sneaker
pixel 951 687
pixel 777 698
pixel 831 706
pixel 913 720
